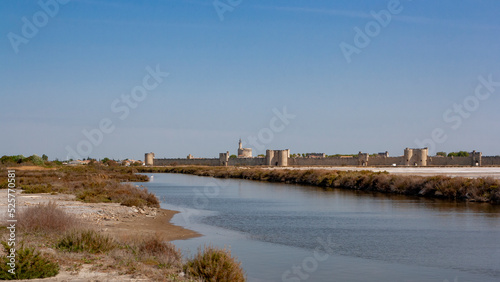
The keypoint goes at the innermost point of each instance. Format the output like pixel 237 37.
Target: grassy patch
pixel 86 241
pixel 91 184
pixel 214 264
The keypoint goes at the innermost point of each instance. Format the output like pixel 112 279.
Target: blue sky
pixel 228 76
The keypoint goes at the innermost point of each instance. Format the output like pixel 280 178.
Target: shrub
pixel 86 241
pixel 45 218
pixel 37 188
pixel 156 249
pixel 213 264
pixel 29 264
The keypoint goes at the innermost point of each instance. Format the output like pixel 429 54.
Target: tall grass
pixel 214 264
pixel 455 188
pixel 86 241
pixel 155 250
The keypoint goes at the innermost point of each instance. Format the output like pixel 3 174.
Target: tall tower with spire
pixel 244 152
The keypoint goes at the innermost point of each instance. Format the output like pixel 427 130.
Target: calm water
pixel 296 233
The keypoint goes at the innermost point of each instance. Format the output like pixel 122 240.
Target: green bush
pixel 29 264
pixel 214 264
pixel 86 241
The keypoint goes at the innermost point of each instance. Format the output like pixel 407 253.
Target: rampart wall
pixel 335 161
pixel 412 157
pixel 385 161
pixel 247 161
pixel 165 162
pixel 485 161
pixel 449 161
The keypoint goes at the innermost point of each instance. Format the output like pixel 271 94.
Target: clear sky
pixel 414 72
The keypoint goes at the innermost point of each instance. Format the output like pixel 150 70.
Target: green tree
pixel 233 157
pixel 458 154
pixel 443 154
pixel 45 157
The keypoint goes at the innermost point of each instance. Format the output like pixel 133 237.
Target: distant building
pixel 244 152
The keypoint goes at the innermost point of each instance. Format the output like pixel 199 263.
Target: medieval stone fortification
pixel 411 157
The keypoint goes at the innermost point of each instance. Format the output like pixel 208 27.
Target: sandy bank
pixel 110 218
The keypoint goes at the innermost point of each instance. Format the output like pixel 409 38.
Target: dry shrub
pixel 214 264
pixel 155 249
pixel 116 192
pixel 86 241
pixel 45 218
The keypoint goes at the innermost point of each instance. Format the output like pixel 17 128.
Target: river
pixel 283 232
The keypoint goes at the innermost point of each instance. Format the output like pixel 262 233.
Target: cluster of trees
pixel 453 154
pixel 19 159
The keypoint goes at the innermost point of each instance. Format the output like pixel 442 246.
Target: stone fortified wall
pixel 411 157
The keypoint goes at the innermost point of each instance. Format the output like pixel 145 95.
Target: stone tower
pixel 416 157
pixel 149 159
pixel 244 152
pixel 224 158
pixel 277 157
pixel 476 158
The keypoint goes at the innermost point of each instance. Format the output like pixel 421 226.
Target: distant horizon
pixel 118 79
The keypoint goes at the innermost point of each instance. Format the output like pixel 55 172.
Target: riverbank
pixel 84 223
pixel 119 222
pixel 442 187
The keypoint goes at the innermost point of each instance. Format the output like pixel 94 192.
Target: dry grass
pixel 89 183
pixel 46 219
pixel 214 264
pixel 155 249
pixel 86 241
